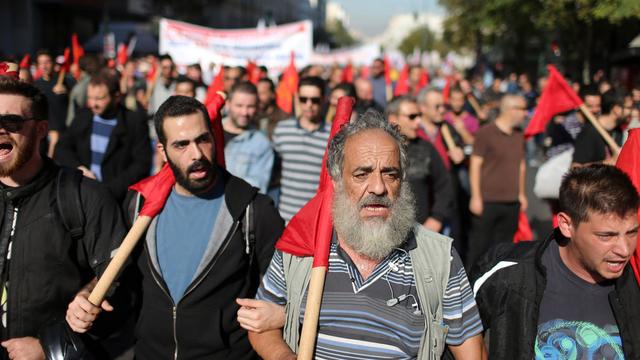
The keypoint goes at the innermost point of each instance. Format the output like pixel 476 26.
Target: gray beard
pixel 374 238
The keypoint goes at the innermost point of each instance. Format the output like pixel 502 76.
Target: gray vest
pixel 431 261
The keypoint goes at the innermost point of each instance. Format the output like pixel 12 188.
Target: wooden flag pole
pixel 389 92
pixel 311 314
pixel 605 135
pixel 115 265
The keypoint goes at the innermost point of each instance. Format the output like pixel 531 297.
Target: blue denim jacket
pixel 249 156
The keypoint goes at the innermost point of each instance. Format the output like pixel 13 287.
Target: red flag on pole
pixel 557 97
pixel 387 71
pixel 287 87
pixel 123 55
pixel 446 90
pixel 25 62
pixel 402 85
pixel 424 79
pixel 253 71
pixel 217 84
pixel 77 52
pixel 215 115
pixel 347 73
pixel 66 65
pixel 629 162
pixel 309 231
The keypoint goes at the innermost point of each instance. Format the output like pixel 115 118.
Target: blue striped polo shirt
pixel 355 320
pixel 301 152
pixel 100 133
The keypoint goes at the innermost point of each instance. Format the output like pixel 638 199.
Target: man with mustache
pixel 573 295
pixel 372 305
pixel 199 255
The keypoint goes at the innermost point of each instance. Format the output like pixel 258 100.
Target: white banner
pixel 270 46
pixel 359 55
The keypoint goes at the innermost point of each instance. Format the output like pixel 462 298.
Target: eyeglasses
pixel 314 100
pixel 12 122
pixel 412 116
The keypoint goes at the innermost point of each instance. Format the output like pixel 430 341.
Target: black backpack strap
pixel 69 202
pixel 250 232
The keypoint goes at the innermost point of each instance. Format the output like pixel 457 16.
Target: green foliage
pixel 340 34
pixel 421 38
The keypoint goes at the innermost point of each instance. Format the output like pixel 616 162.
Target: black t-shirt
pixel 591 147
pixel 228 136
pixel 576 320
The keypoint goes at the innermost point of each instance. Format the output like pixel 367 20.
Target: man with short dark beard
pixel 378 301
pixel 202 251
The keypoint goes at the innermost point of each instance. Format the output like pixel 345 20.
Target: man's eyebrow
pixel 635 229
pixel 363 168
pixel 180 142
pixel 390 169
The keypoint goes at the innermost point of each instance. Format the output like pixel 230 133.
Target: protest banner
pixel 270 46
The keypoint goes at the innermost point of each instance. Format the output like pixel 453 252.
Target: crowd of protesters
pixel 463 157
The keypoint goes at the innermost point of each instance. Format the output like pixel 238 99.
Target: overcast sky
pixel 370 17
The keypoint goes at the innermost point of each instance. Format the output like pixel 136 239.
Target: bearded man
pixel 378 299
pixel 209 245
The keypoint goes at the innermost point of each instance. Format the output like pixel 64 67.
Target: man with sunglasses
pixel 43 264
pixel 427 176
pixel 300 144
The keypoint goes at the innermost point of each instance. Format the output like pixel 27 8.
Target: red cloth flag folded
pixel 287 87
pixel 524 232
pixel 446 90
pixel 215 115
pixel 76 48
pixel 151 74
pixel 387 71
pixel 309 231
pixel 629 162
pixel 217 84
pixel 364 72
pixel 9 69
pixel 402 85
pixel 347 73
pixel 254 72
pixel 557 97
pixel 66 65
pixel 424 79
pixel 156 189
pixel 123 55
pixel 25 62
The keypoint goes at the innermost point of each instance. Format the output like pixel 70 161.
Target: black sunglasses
pixel 12 122
pixel 314 100
pixel 413 116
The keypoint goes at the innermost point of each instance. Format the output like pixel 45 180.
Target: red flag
pixel 76 48
pixel 387 71
pixel 364 72
pixel 9 69
pixel 155 190
pixel 215 115
pixel 402 85
pixel 151 75
pixel 66 65
pixel 217 84
pixel 524 232
pixel 347 73
pixel 25 62
pixel 446 90
pixel 629 162
pixel 557 97
pixel 424 79
pixel 309 231
pixel 287 87
pixel 123 55
pixel 254 72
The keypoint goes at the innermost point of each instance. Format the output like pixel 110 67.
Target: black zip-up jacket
pixel 203 325
pixel 509 283
pixel 127 158
pixel 47 267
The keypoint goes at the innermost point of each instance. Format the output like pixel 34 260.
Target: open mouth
pixel 5 149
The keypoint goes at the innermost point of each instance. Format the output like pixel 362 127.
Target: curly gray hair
pixel 370 120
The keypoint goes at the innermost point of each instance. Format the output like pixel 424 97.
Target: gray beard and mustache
pixel 375 237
